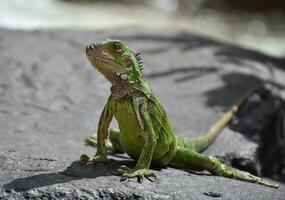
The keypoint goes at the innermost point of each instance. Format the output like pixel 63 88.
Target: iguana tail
pixel 203 142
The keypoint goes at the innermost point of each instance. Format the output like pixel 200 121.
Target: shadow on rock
pixel 188 41
pixel 189 73
pixel 261 119
pixel 257 112
pixel 235 86
pixel 234 54
pixel 272 147
pixel 75 171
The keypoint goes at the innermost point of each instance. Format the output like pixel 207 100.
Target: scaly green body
pixel 132 135
pixel 145 133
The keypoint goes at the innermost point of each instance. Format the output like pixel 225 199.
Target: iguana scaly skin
pixel 144 131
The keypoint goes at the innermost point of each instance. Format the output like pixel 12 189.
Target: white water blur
pixel 49 14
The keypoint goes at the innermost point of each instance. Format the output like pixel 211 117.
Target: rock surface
pixel 51 99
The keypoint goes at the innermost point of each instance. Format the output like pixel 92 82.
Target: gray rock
pixel 51 99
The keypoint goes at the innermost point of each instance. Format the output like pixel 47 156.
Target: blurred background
pixel 256 24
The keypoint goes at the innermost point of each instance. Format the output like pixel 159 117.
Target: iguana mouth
pixel 106 67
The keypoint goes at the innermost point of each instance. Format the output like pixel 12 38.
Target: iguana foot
pixel 246 176
pixel 185 157
pixel 92 141
pixel 84 159
pixel 128 173
pixel 227 171
pixel 123 169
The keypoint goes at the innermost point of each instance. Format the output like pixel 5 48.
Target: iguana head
pixel 118 63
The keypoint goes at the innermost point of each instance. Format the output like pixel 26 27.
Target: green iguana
pixel 145 133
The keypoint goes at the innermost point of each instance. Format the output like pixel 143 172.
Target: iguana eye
pixel 117 47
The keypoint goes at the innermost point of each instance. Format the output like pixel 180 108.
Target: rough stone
pixel 51 99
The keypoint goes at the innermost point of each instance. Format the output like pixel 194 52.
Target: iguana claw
pixel 84 159
pixel 128 173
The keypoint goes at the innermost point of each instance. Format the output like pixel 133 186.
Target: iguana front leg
pixel 142 167
pixel 102 136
